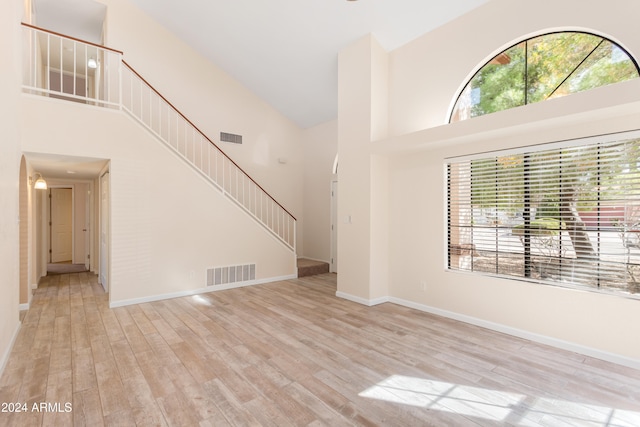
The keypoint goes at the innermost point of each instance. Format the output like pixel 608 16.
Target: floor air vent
pixel 232 274
pixel 230 137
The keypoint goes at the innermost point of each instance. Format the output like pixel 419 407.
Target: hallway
pixel 52 356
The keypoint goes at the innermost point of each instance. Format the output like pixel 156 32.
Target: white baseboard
pixel 151 298
pixel 542 339
pixel 7 353
pixel 25 306
pixel 360 300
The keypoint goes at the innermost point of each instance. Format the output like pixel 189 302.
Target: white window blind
pixel 568 216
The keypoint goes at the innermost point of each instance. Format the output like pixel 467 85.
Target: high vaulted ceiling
pixel 286 51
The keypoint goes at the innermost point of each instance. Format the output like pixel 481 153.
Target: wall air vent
pixel 231 274
pixel 230 137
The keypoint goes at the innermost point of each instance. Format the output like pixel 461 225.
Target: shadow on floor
pixel 65 268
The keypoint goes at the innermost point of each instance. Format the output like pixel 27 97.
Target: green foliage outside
pixel 588 174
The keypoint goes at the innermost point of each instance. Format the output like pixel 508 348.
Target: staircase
pixel 308 267
pixel 68 68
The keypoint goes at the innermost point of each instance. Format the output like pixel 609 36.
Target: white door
pixel 104 231
pixel 334 227
pixel 61 224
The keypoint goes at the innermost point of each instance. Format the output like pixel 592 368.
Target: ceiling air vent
pixel 230 137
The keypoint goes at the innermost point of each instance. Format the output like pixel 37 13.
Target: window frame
pixel 526 40
pixel 533 149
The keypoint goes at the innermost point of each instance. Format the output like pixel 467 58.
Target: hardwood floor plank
pixel 132 333
pixel 156 374
pixel 60 359
pixel 144 408
pixel 112 397
pixel 120 418
pixel 202 403
pixel 323 412
pixel 79 331
pixel 140 318
pixel 229 405
pixel 267 413
pixel 279 399
pixel 87 409
pixel 34 384
pixel 59 400
pixel 83 368
pixel 195 362
pixel 111 325
pixel 160 350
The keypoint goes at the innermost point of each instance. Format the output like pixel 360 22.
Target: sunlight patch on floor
pixel 200 300
pixel 495 405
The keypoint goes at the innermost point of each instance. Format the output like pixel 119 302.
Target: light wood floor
pixel 291 354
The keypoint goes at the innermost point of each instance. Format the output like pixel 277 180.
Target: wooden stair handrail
pixel 44 30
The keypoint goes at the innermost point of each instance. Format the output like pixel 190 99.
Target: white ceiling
pixel 65 167
pixel 285 51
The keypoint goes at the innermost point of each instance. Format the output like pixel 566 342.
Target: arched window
pixel 543 67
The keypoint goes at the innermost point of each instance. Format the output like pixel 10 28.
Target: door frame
pixel 333 264
pixel 104 230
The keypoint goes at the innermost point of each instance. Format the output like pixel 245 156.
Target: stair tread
pixel 308 267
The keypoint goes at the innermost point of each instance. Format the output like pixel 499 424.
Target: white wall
pixel 320 150
pixel 363 218
pixel 167 224
pixel 424 79
pixel 214 102
pixel 10 13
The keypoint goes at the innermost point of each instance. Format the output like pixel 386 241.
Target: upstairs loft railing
pixel 62 67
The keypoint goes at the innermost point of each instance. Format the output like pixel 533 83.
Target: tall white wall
pixel 10 14
pixel 362 211
pixel 168 225
pixel 320 150
pixel 424 79
pixel 214 101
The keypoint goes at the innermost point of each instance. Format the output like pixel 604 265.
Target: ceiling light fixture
pixel 40 183
pixel 92 63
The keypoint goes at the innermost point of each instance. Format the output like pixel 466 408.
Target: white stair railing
pixel 170 126
pixel 62 67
